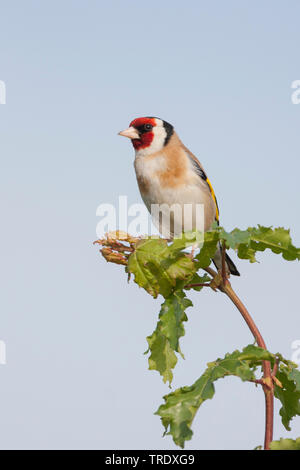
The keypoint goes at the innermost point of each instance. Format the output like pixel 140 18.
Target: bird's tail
pixel 232 267
pixel 217 260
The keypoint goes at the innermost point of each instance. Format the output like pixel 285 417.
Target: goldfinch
pixel 169 175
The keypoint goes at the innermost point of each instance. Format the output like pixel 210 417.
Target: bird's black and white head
pixel 148 134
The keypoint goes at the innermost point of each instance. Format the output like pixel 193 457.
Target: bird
pixel 169 175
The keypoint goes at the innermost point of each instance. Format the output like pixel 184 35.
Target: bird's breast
pixel 164 170
pixel 165 181
pixel 165 173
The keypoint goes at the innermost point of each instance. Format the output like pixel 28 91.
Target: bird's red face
pixel 140 132
pixel 144 127
pixel 148 134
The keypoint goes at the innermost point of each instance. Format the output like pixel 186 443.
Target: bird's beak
pixel 131 133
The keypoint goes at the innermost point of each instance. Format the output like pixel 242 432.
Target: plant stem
pixel 267 383
pixel 268 387
pixel 224 275
pixel 198 284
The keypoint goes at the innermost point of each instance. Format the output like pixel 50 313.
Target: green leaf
pixel 159 268
pixel 186 240
pixel 254 239
pixel 278 240
pixel 164 341
pixel 180 407
pixel 196 279
pixel 289 394
pixel 208 249
pixel 294 375
pixel 235 238
pixel 172 316
pixel 162 358
pixel 285 444
pixel 255 355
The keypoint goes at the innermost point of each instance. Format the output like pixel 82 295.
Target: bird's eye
pixel 148 127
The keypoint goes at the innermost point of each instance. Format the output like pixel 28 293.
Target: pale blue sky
pixel 76 73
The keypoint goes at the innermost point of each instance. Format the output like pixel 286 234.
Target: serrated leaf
pixel 158 268
pixel 197 279
pixel 208 249
pixel 172 316
pixel 162 358
pixel 288 394
pixel 186 240
pixel 254 239
pixel 294 375
pixel 278 240
pixel 285 444
pixel 161 267
pixel 164 341
pixel 180 407
pixel 234 238
pixel 255 355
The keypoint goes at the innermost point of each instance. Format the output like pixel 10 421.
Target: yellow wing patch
pixel 214 198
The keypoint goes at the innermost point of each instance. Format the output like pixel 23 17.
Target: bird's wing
pixel 200 171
